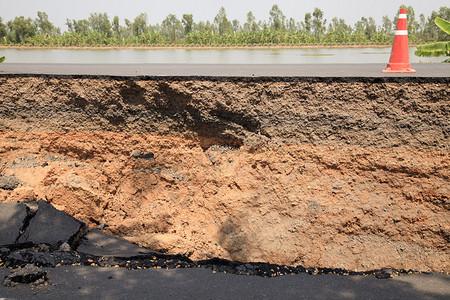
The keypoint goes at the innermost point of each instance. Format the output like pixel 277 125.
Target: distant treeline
pixel 99 30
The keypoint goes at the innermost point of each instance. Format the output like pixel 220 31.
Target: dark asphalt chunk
pixel 52 227
pixel 28 274
pixel 12 216
pixel 40 258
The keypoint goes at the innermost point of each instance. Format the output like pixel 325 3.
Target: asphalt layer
pixel 199 283
pixel 226 70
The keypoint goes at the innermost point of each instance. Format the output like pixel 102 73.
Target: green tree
pixel 318 23
pixel 386 26
pixel 249 25
pixel 430 32
pixel 98 30
pixel 127 30
pixel 204 27
pixel 20 29
pixel 236 26
pixel 188 23
pixel 359 27
pixel 307 23
pixel 2 28
pixel 209 27
pixel 366 27
pixel 421 29
pixel 371 28
pixel 277 18
pixel 116 27
pixel 81 26
pixel 140 25
pixel 99 22
pixel 172 28
pixel 292 25
pixel 128 23
pixel 44 26
pixel 70 25
pixel 338 31
pixel 221 22
pixel 200 27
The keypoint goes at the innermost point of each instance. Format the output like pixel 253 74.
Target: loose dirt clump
pixel 30 274
pixel 332 174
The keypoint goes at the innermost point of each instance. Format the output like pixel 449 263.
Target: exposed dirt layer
pixel 407 114
pixel 332 174
pixel 321 206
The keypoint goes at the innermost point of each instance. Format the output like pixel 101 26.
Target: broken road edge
pixel 36 233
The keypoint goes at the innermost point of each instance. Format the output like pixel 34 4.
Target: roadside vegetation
pixel 100 30
pixel 439 48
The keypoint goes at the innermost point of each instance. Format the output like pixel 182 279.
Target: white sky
pixel 203 10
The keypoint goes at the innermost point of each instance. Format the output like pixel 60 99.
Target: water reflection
pixel 207 56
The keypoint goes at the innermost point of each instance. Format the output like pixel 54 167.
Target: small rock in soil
pixel 8 182
pixel 212 159
pixel 140 155
pixel 135 153
pixel 64 247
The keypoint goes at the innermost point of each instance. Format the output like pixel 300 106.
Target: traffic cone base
pixel 399 68
pixel 399 60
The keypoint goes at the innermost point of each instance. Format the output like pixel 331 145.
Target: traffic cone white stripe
pixel 402 16
pixel 401 32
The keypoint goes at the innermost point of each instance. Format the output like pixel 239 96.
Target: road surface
pixel 225 70
pixel 200 283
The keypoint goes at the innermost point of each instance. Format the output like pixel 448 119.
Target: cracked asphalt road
pixel 69 282
pixel 93 282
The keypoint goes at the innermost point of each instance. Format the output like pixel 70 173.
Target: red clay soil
pixel 335 174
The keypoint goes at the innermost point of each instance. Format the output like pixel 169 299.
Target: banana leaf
pixel 2 59
pixel 442 24
pixel 434 49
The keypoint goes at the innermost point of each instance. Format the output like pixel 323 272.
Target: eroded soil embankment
pixel 350 175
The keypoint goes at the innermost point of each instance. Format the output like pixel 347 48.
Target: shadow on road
pixel 200 283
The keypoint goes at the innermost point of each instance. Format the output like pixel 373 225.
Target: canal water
pixel 208 56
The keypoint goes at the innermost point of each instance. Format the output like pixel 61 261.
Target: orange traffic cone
pixel 399 61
